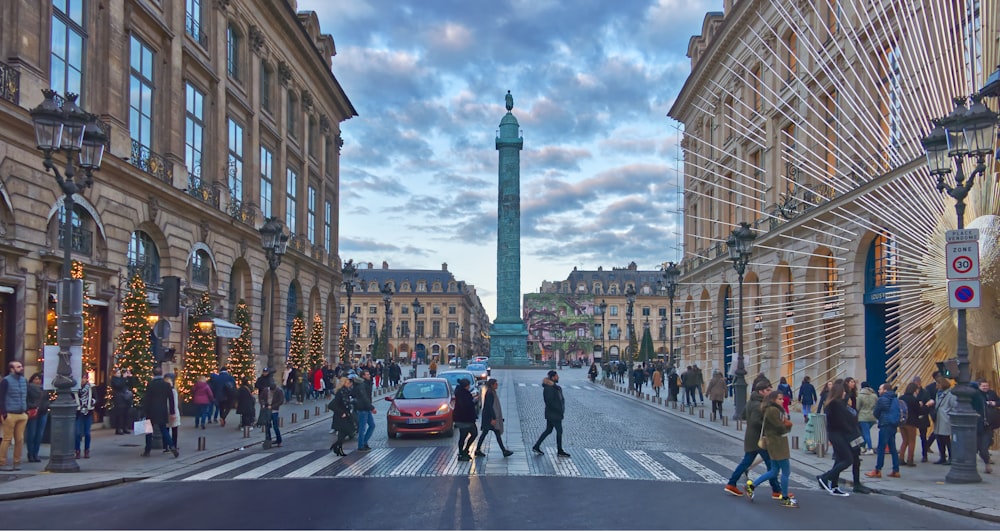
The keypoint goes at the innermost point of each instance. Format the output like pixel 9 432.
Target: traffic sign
pixel 962 260
pixel 961 235
pixel 963 293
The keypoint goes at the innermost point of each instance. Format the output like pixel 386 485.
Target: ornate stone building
pixel 804 119
pixel 432 315
pixel 221 113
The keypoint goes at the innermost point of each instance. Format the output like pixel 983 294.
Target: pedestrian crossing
pixel 605 463
pixel 577 387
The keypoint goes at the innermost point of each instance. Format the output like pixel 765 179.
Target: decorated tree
pixel 199 357
pixel 381 350
pixel 342 348
pixel 241 359
pixel 317 338
pixel 132 347
pixel 297 347
pixel 90 331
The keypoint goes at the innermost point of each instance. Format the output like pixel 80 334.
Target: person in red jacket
pixel 201 395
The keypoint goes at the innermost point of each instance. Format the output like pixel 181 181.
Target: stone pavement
pixel 116 458
pixel 923 484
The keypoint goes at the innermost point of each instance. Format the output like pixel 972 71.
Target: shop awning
pixel 224 328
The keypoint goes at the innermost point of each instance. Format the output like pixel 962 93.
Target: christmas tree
pixel 241 359
pixel 297 354
pixel 317 337
pixel 343 343
pixel 132 348
pixel 90 331
pixel 381 350
pixel 199 357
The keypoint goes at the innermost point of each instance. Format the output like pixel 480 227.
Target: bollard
pixel 317 411
pixel 725 420
pixel 246 432
pixel 201 444
pixel 281 422
pixel 673 405
pixel 690 410
pixel 795 442
pixel 294 418
pixel 739 425
pixel 701 413
pixel 305 414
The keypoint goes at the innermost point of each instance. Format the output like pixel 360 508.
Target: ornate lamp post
pixel 387 300
pixel 966 132
pixel 604 353
pixel 670 275
pixel 630 300
pixel 417 308
pixel 275 243
pixel 354 328
pixel 67 128
pixel 740 245
pixel 348 272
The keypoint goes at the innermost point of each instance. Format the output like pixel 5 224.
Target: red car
pixel 421 405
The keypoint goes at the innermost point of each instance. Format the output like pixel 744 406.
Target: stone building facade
pixel 804 119
pixel 221 113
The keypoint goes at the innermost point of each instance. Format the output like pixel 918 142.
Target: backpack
pixel 904 412
pixel 892 417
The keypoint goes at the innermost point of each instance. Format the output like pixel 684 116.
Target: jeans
pixel 165 433
pixel 551 424
pixel 274 426
pixel 486 431
pixel 777 465
pixel 213 412
pixel 866 433
pixel 366 426
pixel 745 465
pixel 717 407
pixel 701 398
pixel 887 436
pixel 689 396
pixel 204 415
pixel 33 433
pixel 806 410
pixel 83 423
pixel 843 457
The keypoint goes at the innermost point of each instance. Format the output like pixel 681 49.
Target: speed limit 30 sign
pixel 962 260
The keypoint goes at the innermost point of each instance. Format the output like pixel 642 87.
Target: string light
pixel 241 359
pixel 132 347
pixel 199 357
pixel 317 338
pixel 297 349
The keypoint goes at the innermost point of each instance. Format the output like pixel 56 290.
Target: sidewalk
pixel 116 458
pixel 923 484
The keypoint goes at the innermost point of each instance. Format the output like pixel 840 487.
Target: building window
pixel 201 268
pixel 81 239
pixel 645 311
pixel 140 119
pixel 830 133
pixel 192 18
pixel 266 181
pixel 833 16
pixel 436 329
pixel 614 310
pixel 755 86
pixel 891 106
pixel 420 328
pixel 291 185
pixel 452 309
pixel 311 215
pixel 973 41
pixel 436 309
pixel 143 258
pixel 266 88
pixel 67 47
pixel 614 332
pixel 194 127
pixel 328 226
pixel 291 120
pixel 313 138
pixel 791 55
pixel 235 161
pixel 233 43
pixel 885 260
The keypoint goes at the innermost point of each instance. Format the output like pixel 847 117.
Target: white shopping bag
pixel 142 427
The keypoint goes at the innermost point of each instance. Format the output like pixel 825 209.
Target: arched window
pixel 201 268
pixel 82 238
pixel 143 258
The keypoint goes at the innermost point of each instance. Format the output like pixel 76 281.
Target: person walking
pixel 277 399
pixel 555 408
pixel 85 403
pixel 943 404
pixel 226 397
pixel 159 407
pixel 492 419
pixel 699 383
pixel 888 412
pixel 867 399
pixel 175 424
pixel 657 381
pixel 823 396
pixel 433 368
pixel 988 406
pixel 38 416
pixel 774 434
pixel 464 417
pixel 121 401
pixel 244 404
pixel 716 393
pixel 842 431
pixel 754 417
pixel 203 398
pixel 909 429
pixel 362 394
pixel 343 422
pixel 927 396
pixel 807 397
pixel 786 393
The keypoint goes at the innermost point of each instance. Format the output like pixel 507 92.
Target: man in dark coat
pixel 158 406
pixel 555 407
pixel 225 396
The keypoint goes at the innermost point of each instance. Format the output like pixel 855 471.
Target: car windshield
pixel 454 377
pixel 476 367
pixel 416 390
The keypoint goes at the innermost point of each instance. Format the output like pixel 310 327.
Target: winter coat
pixel 38 398
pixel 159 401
pixel 944 404
pixel 914 411
pixel 699 377
pixel 866 405
pixel 277 399
pixel 776 432
pixel 716 388
pixel 465 406
pixel 244 401
pixel 201 394
pixel 555 406
pixel 492 411
pixel 753 415
pixel 839 419
pixel 657 379
pixel 177 418
pixel 121 391
pixel 882 408
pixel 807 394
pixel 341 406
pixel 362 394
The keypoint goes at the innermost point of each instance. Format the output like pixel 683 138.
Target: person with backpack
pixel 226 395
pixel 889 414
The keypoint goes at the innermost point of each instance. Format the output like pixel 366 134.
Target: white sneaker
pixel 837 492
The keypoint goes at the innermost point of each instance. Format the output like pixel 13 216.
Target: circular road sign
pixel 962 264
pixel 964 293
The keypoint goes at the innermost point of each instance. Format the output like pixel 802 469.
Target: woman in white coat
pixel 944 403
pixel 169 378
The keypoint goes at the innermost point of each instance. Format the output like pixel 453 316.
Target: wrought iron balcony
pixel 151 162
pixel 150 272
pixel 81 241
pixel 10 84
pixel 204 191
pixel 243 212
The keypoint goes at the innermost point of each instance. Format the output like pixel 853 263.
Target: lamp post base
pixel 61 455
pixel 963 438
pixel 739 394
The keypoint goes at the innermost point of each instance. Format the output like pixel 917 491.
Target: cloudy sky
pixel 592 82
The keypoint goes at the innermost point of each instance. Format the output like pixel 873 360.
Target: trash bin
pixel 815 433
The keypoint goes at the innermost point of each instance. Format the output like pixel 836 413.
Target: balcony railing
pixel 204 191
pixel 151 162
pixel 243 212
pixel 81 241
pixel 10 84
pixel 150 272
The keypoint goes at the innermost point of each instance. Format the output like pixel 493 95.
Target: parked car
pixel 481 371
pixel 576 364
pixel 421 406
pixel 454 376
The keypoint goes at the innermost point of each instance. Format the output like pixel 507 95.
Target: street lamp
pixel 630 299
pixel 603 306
pixel 275 243
pixel 348 271
pixel 355 328
pixel 740 245
pixel 966 132
pixel 670 275
pixel 69 129
pixel 387 300
pixel 417 308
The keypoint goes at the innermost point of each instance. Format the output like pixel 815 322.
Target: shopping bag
pixel 139 427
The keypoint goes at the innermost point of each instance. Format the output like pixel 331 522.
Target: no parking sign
pixel 963 293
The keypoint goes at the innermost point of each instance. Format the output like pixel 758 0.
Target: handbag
pixel 32 412
pixel 762 440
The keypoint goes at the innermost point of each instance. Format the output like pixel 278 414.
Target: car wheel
pixel 391 434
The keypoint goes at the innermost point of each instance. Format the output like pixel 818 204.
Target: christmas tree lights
pixel 297 353
pixel 317 338
pixel 342 347
pixel 132 347
pixel 241 359
pixel 199 357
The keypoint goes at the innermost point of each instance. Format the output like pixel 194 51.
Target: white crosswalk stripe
pixel 607 464
pixel 562 465
pixel 273 465
pixel 521 384
pixel 575 386
pixel 731 465
pixel 652 466
pixel 706 473
pixel 413 463
pixel 222 469
pixel 315 466
pixel 366 463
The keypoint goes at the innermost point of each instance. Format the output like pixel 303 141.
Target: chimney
pixel 371 265
pixel 444 266
pixel 385 264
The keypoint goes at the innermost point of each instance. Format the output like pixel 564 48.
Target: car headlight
pixel 444 409
pixel 393 411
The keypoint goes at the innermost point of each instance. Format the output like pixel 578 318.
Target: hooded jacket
pixel 716 388
pixel 555 406
pixel 754 417
pixel 866 405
